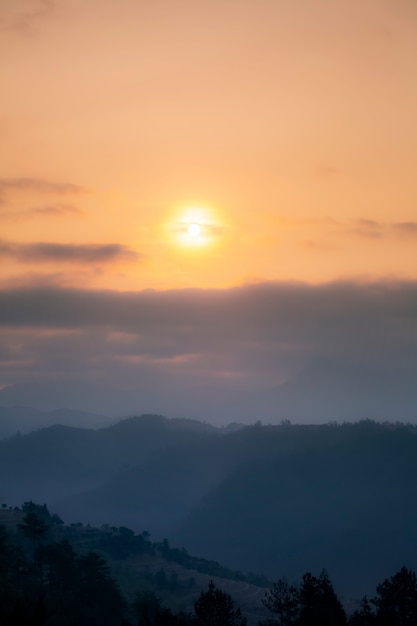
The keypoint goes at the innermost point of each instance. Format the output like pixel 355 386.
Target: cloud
pixel 327 171
pixel 50 210
pixel 55 210
pixel 381 230
pixel 23 14
pixel 207 229
pixel 405 228
pixel 10 186
pixel 43 252
pixel 213 230
pixel 318 246
pixel 343 350
pixel 327 234
pixel 368 228
pixel 38 185
pixel 363 227
pixel 276 318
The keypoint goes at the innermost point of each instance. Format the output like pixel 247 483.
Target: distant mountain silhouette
pixel 345 500
pixel 25 419
pixel 276 500
pixel 62 460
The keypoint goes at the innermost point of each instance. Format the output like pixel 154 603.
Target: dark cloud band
pixel 42 252
pixel 38 185
pixel 278 308
pixel 342 350
pixel 49 210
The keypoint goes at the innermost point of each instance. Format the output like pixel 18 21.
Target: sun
pixel 194 230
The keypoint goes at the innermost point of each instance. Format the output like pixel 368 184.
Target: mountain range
pixel 275 500
pixel 23 419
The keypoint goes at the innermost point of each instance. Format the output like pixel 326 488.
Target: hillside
pixel 142 566
pixel 348 505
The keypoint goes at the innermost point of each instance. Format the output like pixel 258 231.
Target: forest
pixel 49 581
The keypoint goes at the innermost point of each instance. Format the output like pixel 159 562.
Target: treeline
pixel 59 587
pixel 314 603
pixel 48 583
pixel 56 586
pixel 121 542
pixel 205 566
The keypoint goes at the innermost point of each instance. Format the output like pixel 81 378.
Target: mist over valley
pixel 274 500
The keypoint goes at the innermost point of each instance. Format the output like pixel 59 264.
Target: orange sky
pixel 290 124
pixel 285 131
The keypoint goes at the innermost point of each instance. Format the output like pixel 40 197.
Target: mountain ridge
pixel 273 499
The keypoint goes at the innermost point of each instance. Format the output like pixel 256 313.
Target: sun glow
pixel 194 230
pixel 195 227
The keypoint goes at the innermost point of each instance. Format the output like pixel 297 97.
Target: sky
pixel 208 209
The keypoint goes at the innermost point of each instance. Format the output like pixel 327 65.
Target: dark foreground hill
pixel 137 566
pixel 278 500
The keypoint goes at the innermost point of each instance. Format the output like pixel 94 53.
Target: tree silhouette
pixel 150 612
pixel 61 572
pixel 215 608
pixel 35 529
pixel 146 606
pixel 283 601
pixel 396 602
pixel 319 605
pixel 364 616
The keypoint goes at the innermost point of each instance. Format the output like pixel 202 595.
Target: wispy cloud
pixel 24 14
pixel 381 230
pixel 49 210
pixel 327 171
pixel 44 252
pixel 55 210
pixel 405 228
pixel 368 228
pixel 318 246
pixel 9 187
pixel 39 185
pixel 327 234
pixel 207 229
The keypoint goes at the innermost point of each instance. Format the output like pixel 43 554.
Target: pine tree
pixel 215 608
pixel 35 529
pixel 283 601
pixel 397 600
pixel 319 603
